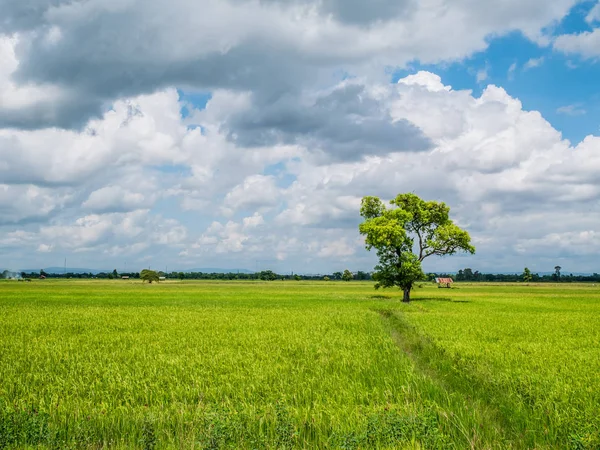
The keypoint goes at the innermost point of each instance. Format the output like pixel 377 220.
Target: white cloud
pixel 585 44
pixel 240 45
pixel 257 192
pixel 340 248
pixel 253 221
pixel 430 81
pixel 482 74
pixel 114 190
pixel 44 248
pixel 114 198
pixel 511 71
pixel 27 202
pixel 533 63
pixel 594 14
pixel 571 110
pixel 219 238
pixel 107 234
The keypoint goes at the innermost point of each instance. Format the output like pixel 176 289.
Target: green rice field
pixel 282 365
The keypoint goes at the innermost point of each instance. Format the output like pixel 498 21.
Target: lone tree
pixel 407 233
pixel 347 275
pixel 527 277
pixel 556 274
pixel 149 276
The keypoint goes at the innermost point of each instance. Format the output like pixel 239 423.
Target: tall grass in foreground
pixel 532 352
pixel 295 365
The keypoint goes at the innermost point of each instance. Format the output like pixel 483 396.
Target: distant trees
pixel 477 276
pixel 556 274
pixel 268 275
pixel 149 275
pixel 410 223
pixel 468 275
pixel 347 275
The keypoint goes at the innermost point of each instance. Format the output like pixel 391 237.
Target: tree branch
pixel 420 244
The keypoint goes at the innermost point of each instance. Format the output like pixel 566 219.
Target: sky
pixel 244 133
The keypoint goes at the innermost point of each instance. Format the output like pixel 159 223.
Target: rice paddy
pixel 183 365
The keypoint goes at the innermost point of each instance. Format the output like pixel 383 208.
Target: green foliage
pixel 347 276
pixel 28 426
pixel 148 439
pixel 267 275
pixel 527 277
pixel 149 275
pixel 556 274
pixel 411 223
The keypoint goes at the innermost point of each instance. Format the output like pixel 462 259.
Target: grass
pixel 91 364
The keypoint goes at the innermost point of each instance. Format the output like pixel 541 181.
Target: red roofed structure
pixel 444 281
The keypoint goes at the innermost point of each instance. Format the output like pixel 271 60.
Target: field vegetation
pixel 286 364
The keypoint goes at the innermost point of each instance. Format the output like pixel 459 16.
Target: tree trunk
pixel 406 298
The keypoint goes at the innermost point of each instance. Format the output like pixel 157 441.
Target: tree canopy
pixel 405 234
pixel 347 275
pixel 149 275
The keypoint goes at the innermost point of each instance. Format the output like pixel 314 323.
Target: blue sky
pixel 558 81
pixel 243 134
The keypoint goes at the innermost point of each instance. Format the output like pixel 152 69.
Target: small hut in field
pixel 444 282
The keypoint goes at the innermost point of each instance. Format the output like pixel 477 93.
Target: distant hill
pixel 217 270
pixel 59 270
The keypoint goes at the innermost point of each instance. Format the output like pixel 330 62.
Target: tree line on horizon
pixel 466 274
pixel 265 275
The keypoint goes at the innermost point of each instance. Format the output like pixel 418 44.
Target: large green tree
pixel 527 277
pixel 149 276
pixel 406 233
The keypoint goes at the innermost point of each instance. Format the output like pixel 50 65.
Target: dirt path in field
pixel 466 406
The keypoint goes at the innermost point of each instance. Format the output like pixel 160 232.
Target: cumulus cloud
pixel 99 51
pixel 257 192
pixel 586 44
pixel 29 203
pixel 97 160
pixel 346 123
pixel 502 169
pixel 340 248
pixel 114 198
